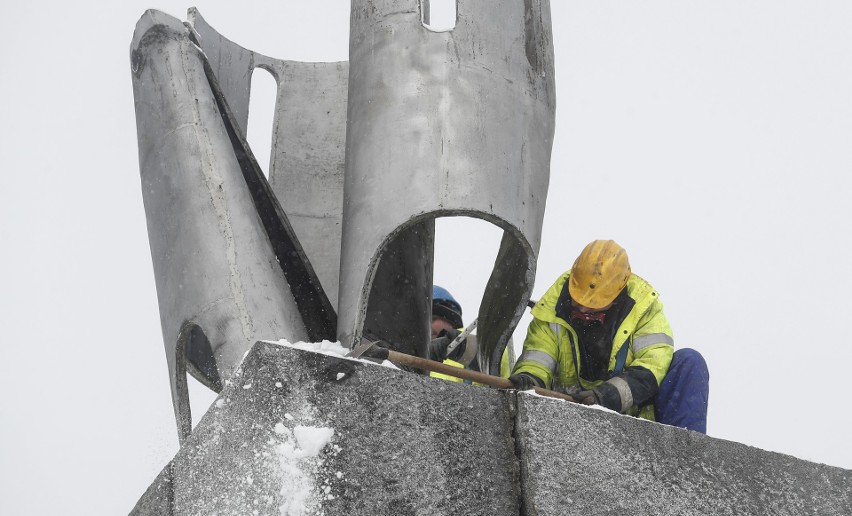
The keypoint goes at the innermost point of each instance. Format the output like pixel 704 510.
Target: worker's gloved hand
pixel 458 351
pixel 379 350
pixel 438 349
pixel 585 397
pixel 438 346
pixel 525 381
pixel 449 333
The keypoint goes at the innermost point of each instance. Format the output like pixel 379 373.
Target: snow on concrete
pixel 326 347
pixel 601 408
pixel 298 453
pixel 298 447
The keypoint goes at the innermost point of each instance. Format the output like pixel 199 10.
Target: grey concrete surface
pixel 401 444
pixel 579 460
pixel 411 445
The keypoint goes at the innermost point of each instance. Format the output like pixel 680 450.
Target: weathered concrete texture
pixel 404 444
pixel 158 498
pixel 578 460
pixel 401 444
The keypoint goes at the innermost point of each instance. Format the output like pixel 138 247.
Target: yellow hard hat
pixel 599 274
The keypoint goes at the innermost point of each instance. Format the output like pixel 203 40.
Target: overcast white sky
pixel 710 138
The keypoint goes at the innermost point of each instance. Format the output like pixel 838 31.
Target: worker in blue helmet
pixel 447 323
pixel 446 311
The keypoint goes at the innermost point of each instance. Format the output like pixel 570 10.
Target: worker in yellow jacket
pixel 600 335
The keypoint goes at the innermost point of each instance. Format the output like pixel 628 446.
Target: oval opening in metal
pixel 465 252
pixel 261 117
pixel 439 15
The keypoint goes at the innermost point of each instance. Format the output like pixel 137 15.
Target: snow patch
pixel 311 440
pixel 298 461
pixel 326 347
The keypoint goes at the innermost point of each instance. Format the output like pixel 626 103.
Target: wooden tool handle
pixel 458 372
pixel 466 374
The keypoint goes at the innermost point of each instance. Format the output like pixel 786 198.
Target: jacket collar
pixel 615 315
pixel 639 291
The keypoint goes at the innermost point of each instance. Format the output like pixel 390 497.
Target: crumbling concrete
pixel 407 444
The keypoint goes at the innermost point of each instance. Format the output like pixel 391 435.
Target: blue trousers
pixel 682 400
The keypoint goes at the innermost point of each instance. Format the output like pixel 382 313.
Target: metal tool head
pixel 376 351
pixel 360 349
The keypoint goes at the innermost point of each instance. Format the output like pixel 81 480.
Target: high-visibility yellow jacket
pixel 640 355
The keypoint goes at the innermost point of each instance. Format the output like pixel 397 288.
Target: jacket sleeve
pixel 539 357
pixel 652 348
pixel 653 345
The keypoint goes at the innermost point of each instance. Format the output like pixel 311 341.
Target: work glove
pixel 525 381
pixel 379 351
pixel 585 397
pixel 438 346
pixel 450 334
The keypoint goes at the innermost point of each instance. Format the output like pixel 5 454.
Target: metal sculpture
pixel 309 136
pixel 433 124
pixel 229 268
pixel 443 124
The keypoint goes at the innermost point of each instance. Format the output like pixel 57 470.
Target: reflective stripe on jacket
pixel 644 330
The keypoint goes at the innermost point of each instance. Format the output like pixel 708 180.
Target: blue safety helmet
pixel 445 305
